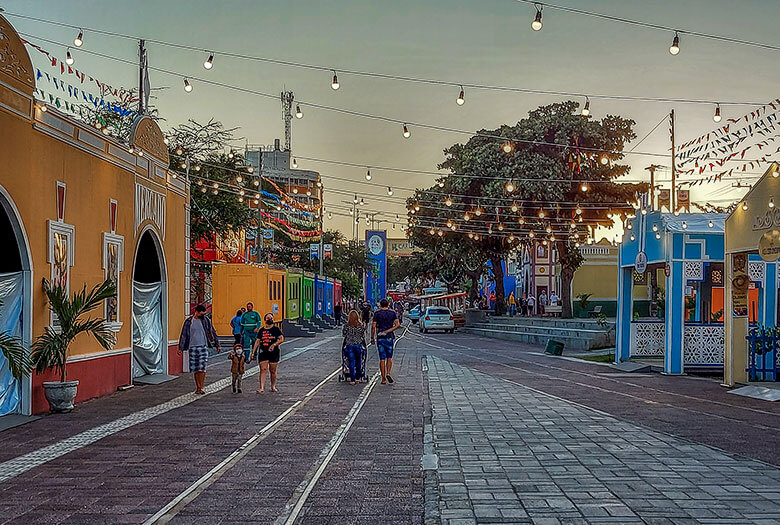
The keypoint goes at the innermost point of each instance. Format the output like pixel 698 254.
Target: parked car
pixel 437 318
pixel 414 314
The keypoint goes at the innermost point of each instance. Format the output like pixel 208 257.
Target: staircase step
pixel 571 342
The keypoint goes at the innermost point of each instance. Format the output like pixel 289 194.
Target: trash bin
pixel 553 347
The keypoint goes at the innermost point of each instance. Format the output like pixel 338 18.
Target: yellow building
pixel 77 207
pixel 598 276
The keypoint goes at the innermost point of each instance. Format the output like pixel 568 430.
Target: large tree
pixel 550 178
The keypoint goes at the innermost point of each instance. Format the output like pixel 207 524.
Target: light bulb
pixel 448 201
pixel 710 224
pixel 500 227
pixel 209 63
pixel 215 192
pixel 676 213
pixel 604 160
pixel 461 97
pixel 449 223
pixel 466 217
pixel 471 235
pixel 655 227
pixel 531 234
pixel 432 232
pixel 657 235
pixel 295 163
pixel 203 190
pixel 330 215
pixel 397 218
pixel 416 207
pixel 69 58
pixel 644 211
pixel 511 238
pixel 295 191
pixel 630 226
pixel 632 237
pixel 188 86
pixel 578 210
pixel 536 25
pixel 166 141
pixel 586 108
pixel 79 40
pixel 231 154
pixel 256 201
pixel 775 173
pixel 368 174
pixel 239 179
pixel 335 83
pixel 256 182
pixel 674 49
pixel 541 214
pixel 308 193
pixel 514 207
pixel 771 203
pixel 684 225
pixel 250 169
pixel 544 242
pixel 507 147
pixel 584 186
pixel 510 187
pixel 140 153
pixel 240 199
pixel 716 117
pixel 351 212
pixel 441 183
pixel 389 190
pixel 362 202
pixel 407 134
pixel 744 206
pixel 298 111
pixel 478 212
pixel 179 151
pixel 521 220
pixel 440 233
pixel 548 229
pixel 43 109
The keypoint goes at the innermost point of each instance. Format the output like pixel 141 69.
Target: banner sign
pixel 314 251
pixel 268 238
pixel 375 283
pixel 328 251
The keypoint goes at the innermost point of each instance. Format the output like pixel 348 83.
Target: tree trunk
pixel 498 273
pixel 567 274
pixel 474 288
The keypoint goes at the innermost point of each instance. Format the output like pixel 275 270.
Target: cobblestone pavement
pixel 508 454
pixel 328 452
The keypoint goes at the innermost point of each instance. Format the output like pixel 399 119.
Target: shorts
pixel 385 347
pixel 271 357
pixel 199 357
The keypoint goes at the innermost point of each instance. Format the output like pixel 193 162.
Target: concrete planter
pixel 474 316
pixel 60 394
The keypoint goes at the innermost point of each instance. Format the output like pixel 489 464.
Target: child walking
pixel 238 361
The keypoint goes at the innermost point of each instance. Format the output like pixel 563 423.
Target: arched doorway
pixel 15 303
pixel 150 343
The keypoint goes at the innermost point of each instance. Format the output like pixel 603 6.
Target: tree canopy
pixel 550 178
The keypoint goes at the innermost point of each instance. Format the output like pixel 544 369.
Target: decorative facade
pixel 77 207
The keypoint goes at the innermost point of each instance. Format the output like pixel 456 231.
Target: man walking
pixel 337 313
pixel 531 304
pixel 250 324
pixel 542 302
pixel 385 323
pixel 197 336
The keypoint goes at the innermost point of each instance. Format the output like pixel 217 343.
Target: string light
pixel 674 49
pixel 209 63
pixel 179 151
pixel 578 211
pixel 771 202
pixel 536 25
pixel 448 201
pixel 256 182
pixel 407 133
pixel 466 217
pixel 710 224
pixel 432 231
pixel 441 183
pixel 604 160
pixel 586 108
pixel 440 233
pixel 188 86
pixel 335 83
pixel 744 206
pixel 368 174
pixel 231 154
pixel 507 147
pixel 514 207
pixel 362 202
pixel 630 226
pixel 644 211
pixel 521 220
pixel 500 227
pixel 584 187
pixel 43 108
pixel 69 58
pixel 298 111
pixel 397 218
pixel 541 214
pixel 655 227
pixel 684 225
pixel 295 163
pixel 657 235
pixel 676 213
pixel 79 40
pixel 478 212
pixel 389 191
pixel 716 117
pixel 632 237
pixel 461 97
pixel 416 207
pixel 531 234
pixel 295 191
pixel 510 187
pixel 239 179
pixel 330 215
pixel 250 169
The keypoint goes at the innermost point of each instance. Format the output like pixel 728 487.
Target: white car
pixel 437 318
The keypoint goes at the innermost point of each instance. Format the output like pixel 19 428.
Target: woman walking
pixel 354 338
pixel 269 337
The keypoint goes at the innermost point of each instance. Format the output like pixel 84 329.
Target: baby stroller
pixel 344 375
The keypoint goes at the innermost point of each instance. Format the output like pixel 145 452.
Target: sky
pixel 469 41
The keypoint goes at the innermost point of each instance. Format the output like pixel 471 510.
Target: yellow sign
pixel 769 246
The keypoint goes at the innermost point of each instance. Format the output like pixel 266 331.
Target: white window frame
pixel 69 231
pixel 119 242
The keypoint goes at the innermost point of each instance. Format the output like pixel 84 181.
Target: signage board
pixel 376 274
pixel 640 263
pixel 769 246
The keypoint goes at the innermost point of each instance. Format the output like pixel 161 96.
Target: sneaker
pixel 389 379
pixel 234 390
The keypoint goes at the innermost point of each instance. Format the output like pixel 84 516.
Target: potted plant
pixel 50 350
pixel 583 301
pixel 660 303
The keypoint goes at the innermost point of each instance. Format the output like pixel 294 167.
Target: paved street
pixel 504 433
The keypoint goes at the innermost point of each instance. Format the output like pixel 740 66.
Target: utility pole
pixel 673 197
pixel 652 169
pixel 142 72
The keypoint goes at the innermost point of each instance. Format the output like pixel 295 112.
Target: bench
pixel 595 312
pixel 553 310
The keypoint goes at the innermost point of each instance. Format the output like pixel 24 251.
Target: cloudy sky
pixel 469 41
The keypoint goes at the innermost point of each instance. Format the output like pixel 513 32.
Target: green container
pixel 553 347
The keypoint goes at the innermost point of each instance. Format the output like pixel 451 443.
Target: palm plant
pixel 50 350
pixel 19 361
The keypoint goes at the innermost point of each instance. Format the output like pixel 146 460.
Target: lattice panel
pixel 756 271
pixel 717 277
pixel 693 270
pixel 647 339
pixel 703 345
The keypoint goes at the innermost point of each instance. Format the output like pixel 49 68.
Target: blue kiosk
pixel 319 294
pixel 329 295
pixel 671 290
